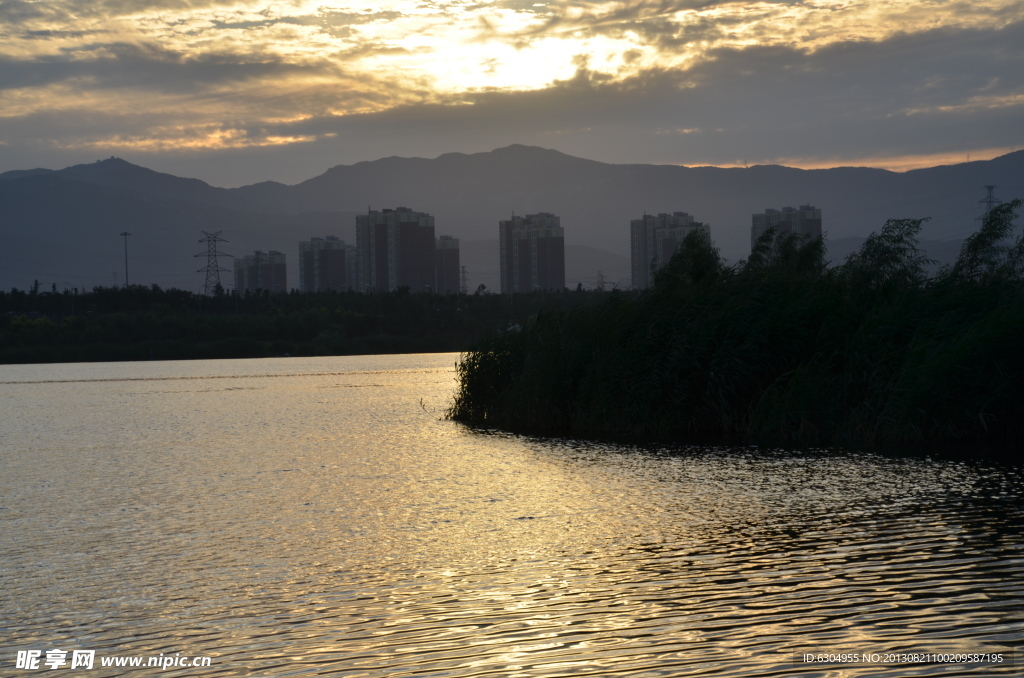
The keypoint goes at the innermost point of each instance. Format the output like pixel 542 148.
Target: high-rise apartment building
pixel 805 220
pixel 327 264
pixel 654 238
pixel 446 265
pixel 396 248
pixel 261 271
pixel 532 253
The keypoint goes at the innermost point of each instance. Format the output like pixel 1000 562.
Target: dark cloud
pixel 530 6
pixel 330 21
pixel 147 66
pixel 653 19
pixel 332 18
pixel 17 12
pixel 264 23
pixel 14 12
pixel 57 34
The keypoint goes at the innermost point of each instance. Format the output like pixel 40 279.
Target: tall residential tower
pixel 327 265
pixel 261 271
pixel 446 265
pixel 532 253
pixel 805 221
pixel 396 248
pixel 654 238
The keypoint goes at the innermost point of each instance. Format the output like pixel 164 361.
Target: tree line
pixel 150 323
pixel 782 348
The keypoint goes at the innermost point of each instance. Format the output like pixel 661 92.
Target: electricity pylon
pixel 213 267
pixel 989 201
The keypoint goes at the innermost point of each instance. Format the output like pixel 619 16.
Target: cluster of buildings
pixel 398 248
pixel 261 271
pixel 804 220
pixel 532 253
pixel 394 248
pixel 655 238
pixel 326 264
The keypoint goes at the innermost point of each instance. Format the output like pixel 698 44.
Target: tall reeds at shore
pixel 781 348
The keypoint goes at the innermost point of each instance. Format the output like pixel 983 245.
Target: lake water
pixel 305 517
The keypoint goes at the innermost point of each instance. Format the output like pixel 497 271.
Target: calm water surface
pixel 303 517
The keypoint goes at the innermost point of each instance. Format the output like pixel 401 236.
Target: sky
pixel 234 92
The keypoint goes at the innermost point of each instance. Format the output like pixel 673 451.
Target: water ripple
pixel 301 529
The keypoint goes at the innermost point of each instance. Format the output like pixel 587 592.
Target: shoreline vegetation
pixel 781 348
pixel 149 323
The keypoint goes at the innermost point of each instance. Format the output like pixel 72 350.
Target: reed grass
pixel 780 348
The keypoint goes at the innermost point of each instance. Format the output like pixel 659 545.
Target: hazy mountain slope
pixel 469 193
pixel 18 174
pixel 62 225
pixel 55 229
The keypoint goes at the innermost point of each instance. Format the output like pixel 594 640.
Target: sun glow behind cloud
pixel 215 74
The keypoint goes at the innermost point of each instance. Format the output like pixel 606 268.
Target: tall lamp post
pixel 125 235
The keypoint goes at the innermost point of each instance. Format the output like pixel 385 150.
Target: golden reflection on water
pixel 316 517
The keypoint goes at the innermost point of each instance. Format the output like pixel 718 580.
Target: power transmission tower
pixel 463 281
pixel 213 267
pixel 989 201
pixel 600 281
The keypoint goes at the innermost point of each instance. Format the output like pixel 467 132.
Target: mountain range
pixel 62 226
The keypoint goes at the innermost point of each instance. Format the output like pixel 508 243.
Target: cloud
pixel 19 11
pixel 910 94
pixel 686 81
pixel 618 17
pixel 145 66
pixel 335 18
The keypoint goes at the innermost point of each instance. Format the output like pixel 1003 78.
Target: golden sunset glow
pixel 213 74
pixel 900 164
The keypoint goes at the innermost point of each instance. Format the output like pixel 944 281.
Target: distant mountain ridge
pixel 62 225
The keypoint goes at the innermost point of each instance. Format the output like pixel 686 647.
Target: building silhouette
pixel 327 264
pixel 805 221
pixel 261 271
pixel 654 238
pixel 532 251
pixel 446 265
pixel 396 248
